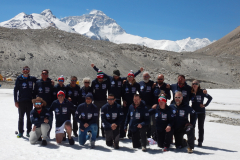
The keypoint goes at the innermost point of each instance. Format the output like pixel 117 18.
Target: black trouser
pixel 99 104
pixel 75 123
pixel 150 127
pixel 201 118
pixel 112 136
pixel 164 138
pixel 179 133
pixel 24 107
pixel 139 138
pixel 122 131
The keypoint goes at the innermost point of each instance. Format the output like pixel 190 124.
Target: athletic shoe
pixel 92 144
pixel 71 141
pixel 190 150
pixel 64 137
pixel 44 142
pixel 199 144
pixel 20 135
pixel 165 149
pixel 144 149
pixel 75 134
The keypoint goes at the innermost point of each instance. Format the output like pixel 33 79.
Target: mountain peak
pixel 48 13
pixel 97 12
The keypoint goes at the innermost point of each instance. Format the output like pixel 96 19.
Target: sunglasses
pixel 130 76
pixel 86 82
pixel 60 95
pixel 195 84
pixel 110 99
pixel 177 97
pixel 160 79
pixel 74 80
pixel 44 74
pixel 25 69
pixel 38 104
pixel 61 81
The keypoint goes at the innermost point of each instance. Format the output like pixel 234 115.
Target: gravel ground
pixel 225 120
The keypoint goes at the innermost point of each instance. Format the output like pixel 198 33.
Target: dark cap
pixel 116 73
pixel 89 95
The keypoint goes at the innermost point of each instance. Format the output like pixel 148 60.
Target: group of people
pixel 139 110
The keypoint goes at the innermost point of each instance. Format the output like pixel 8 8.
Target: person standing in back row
pixel 129 89
pixel 100 87
pixel 74 95
pixel 116 82
pixel 23 93
pixel 59 87
pixel 197 98
pixel 44 89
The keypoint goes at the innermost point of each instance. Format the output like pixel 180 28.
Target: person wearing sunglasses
pixel 44 89
pixel 129 89
pixel 181 123
pixel 197 98
pixel 116 82
pixel 86 88
pixel 160 87
pixel 39 118
pixel 100 87
pixel 62 109
pixel 112 117
pixel 23 93
pixel 164 117
pixel 138 119
pixel 59 87
pixel 87 115
pixel 73 94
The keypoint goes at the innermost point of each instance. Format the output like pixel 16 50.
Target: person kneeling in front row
pixel 138 119
pixel 39 117
pixel 112 117
pixel 164 122
pixel 62 108
pixel 87 115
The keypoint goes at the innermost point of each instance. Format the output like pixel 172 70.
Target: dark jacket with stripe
pixel 163 117
pixel 74 93
pixel 116 85
pixel 111 114
pixel 158 90
pixel 86 113
pixel 44 89
pixel 146 92
pixel 23 90
pixel 62 111
pixel 38 119
pixel 181 115
pixel 135 116
pixel 198 99
pixel 186 92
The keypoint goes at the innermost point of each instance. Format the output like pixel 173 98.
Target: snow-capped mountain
pixel 36 21
pixel 99 26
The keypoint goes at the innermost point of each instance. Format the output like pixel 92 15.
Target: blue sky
pixel 155 19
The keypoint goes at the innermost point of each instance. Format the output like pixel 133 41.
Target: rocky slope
pixel 67 54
